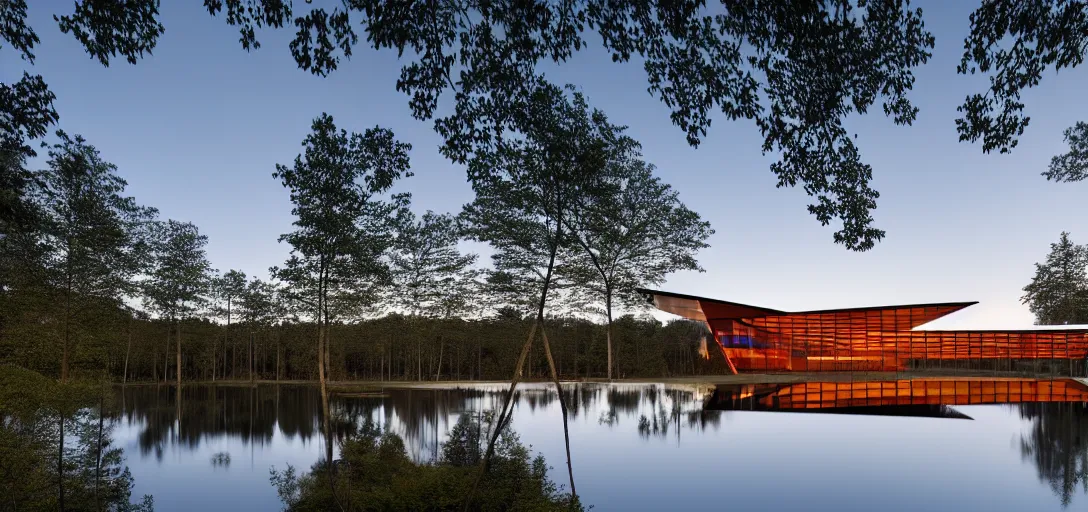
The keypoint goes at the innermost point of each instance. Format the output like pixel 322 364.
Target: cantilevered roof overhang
pixel 704 308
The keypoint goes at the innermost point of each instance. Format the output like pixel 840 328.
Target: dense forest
pixel 393 347
pixel 95 285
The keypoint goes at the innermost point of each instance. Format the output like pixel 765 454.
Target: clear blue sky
pixel 198 127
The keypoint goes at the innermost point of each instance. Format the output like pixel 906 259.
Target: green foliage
pixel 431 276
pixel 261 304
pixel 344 225
pixel 526 188
pixel 17 213
pixel 1014 42
pixel 94 238
pixel 107 28
pixel 1071 166
pixel 98 236
pixel 226 290
pixel 178 281
pixel 1058 294
pixel 632 235
pixel 377 474
pixel 54 436
pixel 797 69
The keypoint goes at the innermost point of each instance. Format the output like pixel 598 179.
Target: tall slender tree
pixel 344 225
pixel 178 283
pixel 525 190
pixel 226 290
pixel 259 312
pixel 430 274
pixel 96 236
pixel 631 236
pixel 1058 293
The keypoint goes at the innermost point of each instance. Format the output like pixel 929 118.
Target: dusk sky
pixel 198 127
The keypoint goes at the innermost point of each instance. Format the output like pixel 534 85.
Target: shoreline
pixel 697 380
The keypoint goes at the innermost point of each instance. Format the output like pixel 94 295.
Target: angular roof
pixel 896 317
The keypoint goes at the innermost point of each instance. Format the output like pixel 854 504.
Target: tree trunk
pixel 278 363
pixel 503 414
pixel 166 358
pixel 501 419
pixel 179 360
pixel 67 330
pixel 608 330
pixel 328 341
pixel 321 377
pixel 251 336
pixel 441 347
pixel 226 342
pixel 60 465
pixel 128 350
pixel 562 407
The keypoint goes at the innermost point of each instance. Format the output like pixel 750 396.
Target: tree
pixel 179 278
pixel 226 290
pixel 431 276
pixel 632 236
pixel 259 311
pixel 1058 294
pixel 1071 166
pixel 94 234
pixel 426 263
pixel 106 30
pixel 525 189
pixel 797 69
pixel 1014 43
pixel 343 225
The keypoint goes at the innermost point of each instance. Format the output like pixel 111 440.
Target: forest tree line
pixel 94 284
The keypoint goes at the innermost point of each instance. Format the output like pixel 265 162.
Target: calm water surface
pixel 634 447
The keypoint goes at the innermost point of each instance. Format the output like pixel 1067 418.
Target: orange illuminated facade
pixel 915 397
pixel 859 339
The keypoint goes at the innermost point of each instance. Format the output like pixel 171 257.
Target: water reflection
pixel 1056 443
pixel 1049 418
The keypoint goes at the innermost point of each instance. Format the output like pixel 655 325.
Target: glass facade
pixel 862 339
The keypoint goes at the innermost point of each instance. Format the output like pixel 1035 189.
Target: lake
pixel 653 446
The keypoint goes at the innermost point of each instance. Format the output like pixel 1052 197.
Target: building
pixel 859 339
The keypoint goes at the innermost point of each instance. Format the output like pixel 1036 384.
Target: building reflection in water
pixel 1054 439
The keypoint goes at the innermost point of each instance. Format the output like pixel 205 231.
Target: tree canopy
pixel 178 282
pixel 629 235
pixel 343 222
pixel 431 276
pixel 1058 294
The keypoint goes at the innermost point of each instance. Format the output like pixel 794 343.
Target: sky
pixel 197 129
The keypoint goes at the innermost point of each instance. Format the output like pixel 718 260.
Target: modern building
pixel 859 339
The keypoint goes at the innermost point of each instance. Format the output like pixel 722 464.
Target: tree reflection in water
pixel 1055 438
pixel 1056 443
pixel 421 417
